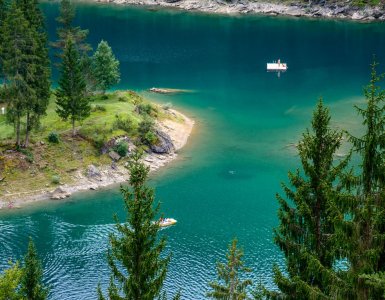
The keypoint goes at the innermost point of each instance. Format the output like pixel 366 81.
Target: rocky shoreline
pixel 96 177
pixel 332 10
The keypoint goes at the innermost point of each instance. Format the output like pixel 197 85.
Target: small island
pixel 57 164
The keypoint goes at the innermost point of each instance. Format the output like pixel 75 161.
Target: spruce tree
pixel 138 270
pixel 32 287
pixel 306 231
pixel 230 285
pixel 362 234
pixel 105 67
pixel 19 45
pixel 66 30
pixel 71 99
pixel 40 81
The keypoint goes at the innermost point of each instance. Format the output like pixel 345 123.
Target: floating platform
pixel 276 66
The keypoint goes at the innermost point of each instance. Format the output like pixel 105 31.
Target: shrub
pixel 99 141
pixel 146 109
pixel 55 179
pixel 123 124
pixel 146 132
pixel 98 107
pixel 28 154
pixel 121 148
pixel 122 99
pixel 53 137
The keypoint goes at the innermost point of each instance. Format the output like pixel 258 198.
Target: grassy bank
pixel 45 164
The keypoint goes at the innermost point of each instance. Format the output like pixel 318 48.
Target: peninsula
pixel 58 164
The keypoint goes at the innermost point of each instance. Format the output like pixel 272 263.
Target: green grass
pixel 71 154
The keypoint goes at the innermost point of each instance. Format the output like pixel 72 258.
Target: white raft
pixel 276 66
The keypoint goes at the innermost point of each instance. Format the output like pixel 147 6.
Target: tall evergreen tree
pixel 363 233
pixel 71 99
pixel 105 67
pixel 66 30
pixel 19 45
pixel 40 81
pixel 32 287
pixel 306 233
pixel 135 253
pixel 230 285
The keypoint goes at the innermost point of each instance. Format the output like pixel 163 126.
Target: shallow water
pixel 224 182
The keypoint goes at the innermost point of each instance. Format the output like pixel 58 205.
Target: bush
pixel 122 99
pixel 28 154
pixel 121 148
pixel 55 179
pixel 99 141
pixel 146 109
pixel 98 107
pixel 146 132
pixel 53 137
pixel 123 124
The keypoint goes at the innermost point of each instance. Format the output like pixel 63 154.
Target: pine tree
pixel 71 99
pixel 19 65
pixel 40 81
pixel 230 285
pixel 105 67
pixel 362 237
pixel 32 287
pixel 306 233
pixel 135 253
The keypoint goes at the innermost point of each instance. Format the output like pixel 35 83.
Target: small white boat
pixel 166 222
pixel 276 66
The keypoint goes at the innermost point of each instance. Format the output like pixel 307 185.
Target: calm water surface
pixel 224 183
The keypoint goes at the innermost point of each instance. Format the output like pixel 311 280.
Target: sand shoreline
pixel 109 175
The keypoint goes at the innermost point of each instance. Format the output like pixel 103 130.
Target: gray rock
pixel 93 172
pixel 59 193
pixel 114 156
pixel 164 144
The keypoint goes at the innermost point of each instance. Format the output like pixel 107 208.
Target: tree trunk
pixel 28 129
pixel 18 130
pixel 73 127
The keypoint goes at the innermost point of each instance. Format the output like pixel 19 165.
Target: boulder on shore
pixel 164 145
pixel 59 193
pixel 93 172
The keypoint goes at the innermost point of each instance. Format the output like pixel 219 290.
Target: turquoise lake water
pixel 224 182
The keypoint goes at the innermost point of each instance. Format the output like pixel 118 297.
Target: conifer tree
pixel 40 81
pixel 230 285
pixel 19 65
pixel 32 287
pixel 71 99
pixel 138 270
pixel 68 31
pixel 10 283
pixel 363 234
pixel 105 67
pixel 306 233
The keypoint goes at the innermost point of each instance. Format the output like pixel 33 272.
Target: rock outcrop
pixel 164 145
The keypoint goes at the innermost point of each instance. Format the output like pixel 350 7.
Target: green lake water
pixel 224 181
